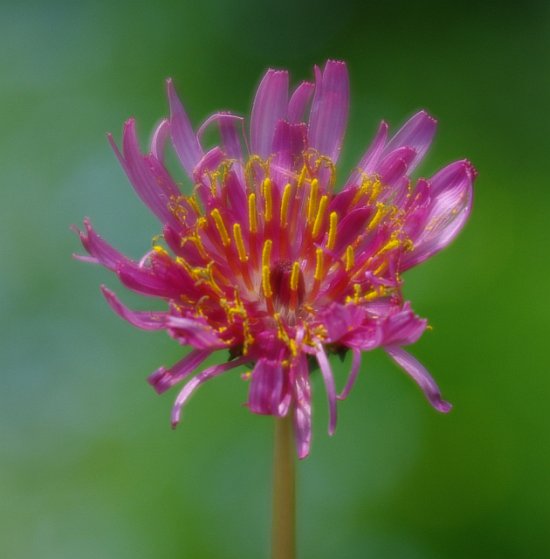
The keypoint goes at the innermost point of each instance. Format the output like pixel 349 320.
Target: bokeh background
pixel 88 464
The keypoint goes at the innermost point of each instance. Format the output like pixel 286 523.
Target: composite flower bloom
pixel 269 255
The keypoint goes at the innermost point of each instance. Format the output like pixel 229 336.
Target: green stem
pixel 284 508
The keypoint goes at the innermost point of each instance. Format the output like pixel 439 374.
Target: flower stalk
pixel 283 544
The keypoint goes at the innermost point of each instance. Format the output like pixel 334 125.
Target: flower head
pixel 266 258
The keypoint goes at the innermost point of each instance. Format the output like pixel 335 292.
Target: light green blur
pixel 89 466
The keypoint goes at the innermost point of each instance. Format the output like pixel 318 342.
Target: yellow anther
pixel 376 188
pixel 160 250
pixel 318 265
pixel 361 191
pixel 320 215
pixel 293 347
pixel 350 258
pixel 268 200
pixel 380 269
pixel 220 226
pixel 284 204
pixel 295 276
pixel 380 212
pixel 252 216
pixel 266 253
pixel 266 282
pixel 356 292
pixel 238 236
pixel 333 223
pixel 194 204
pixel 372 295
pixel 302 176
pixel 390 245
pixel 312 200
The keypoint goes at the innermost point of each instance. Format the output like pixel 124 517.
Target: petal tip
pixel 443 406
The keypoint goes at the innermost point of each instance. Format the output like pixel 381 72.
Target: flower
pixel 266 259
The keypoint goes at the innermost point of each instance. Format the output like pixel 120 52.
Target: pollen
pixel 252 215
pixel 350 258
pixel 268 200
pixel 220 226
pixel 266 253
pixel 333 223
pixel 266 282
pixel 285 204
pixel 312 200
pixel 318 275
pixel 238 236
pixel 320 215
pixel 295 276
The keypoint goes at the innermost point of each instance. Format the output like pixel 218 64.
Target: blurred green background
pixel 89 466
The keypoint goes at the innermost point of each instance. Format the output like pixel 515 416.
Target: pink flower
pixel 266 259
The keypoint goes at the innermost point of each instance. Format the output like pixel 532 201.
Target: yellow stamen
pixel 268 200
pixel 266 253
pixel 293 347
pixel 320 215
pixel 390 245
pixel 350 258
pixel 238 236
pixel 266 282
pixel 220 226
pixel 380 212
pixel 376 188
pixel 194 204
pixel 302 176
pixel 312 200
pixel 252 216
pixel 380 269
pixel 160 250
pixel 284 204
pixel 318 265
pixel 333 222
pixel 295 276
pixel 372 295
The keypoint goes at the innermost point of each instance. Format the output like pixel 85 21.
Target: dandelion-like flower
pixel 264 257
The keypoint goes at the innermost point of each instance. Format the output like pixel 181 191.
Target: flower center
pixel 287 284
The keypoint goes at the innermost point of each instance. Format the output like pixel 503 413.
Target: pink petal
pixel 451 203
pixel 195 382
pixel 185 142
pixel 416 133
pixel 349 226
pixel 341 320
pixel 299 100
pixel 158 141
pixel 150 180
pixel 421 376
pixel 100 251
pixel 302 407
pixel 231 130
pixel 269 389
pixel 210 161
pixel 329 111
pixel 163 379
pixel 396 164
pixel 402 327
pixel 147 320
pixel 289 142
pixel 269 107
pixel 355 367
pixel 144 280
pixel 194 333
pixel 370 159
pixel 326 373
